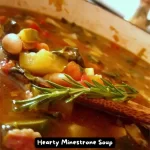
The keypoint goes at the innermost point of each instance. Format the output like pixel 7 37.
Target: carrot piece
pixel 40 46
pixel 89 78
pixel 74 70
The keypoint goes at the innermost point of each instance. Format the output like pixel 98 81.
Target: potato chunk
pixel 42 62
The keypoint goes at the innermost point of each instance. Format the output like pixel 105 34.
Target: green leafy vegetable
pixel 71 54
pixel 108 91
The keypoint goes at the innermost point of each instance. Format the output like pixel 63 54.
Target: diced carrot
pixel 40 46
pixel 90 78
pixel 74 70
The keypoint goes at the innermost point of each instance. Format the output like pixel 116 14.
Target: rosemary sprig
pixel 108 91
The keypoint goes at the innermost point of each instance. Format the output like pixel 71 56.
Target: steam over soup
pixel 60 80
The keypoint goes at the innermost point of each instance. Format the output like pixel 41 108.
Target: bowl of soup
pixel 69 69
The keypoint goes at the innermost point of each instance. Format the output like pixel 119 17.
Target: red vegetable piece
pixel 85 78
pixel 40 46
pixel 33 25
pixel 74 70
pixel 6 66
pixel 21 139
pixel 57 78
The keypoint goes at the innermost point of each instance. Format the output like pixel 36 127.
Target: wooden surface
pixel 94 19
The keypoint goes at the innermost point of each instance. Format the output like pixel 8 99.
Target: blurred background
pixel 135 11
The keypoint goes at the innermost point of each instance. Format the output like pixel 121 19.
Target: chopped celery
pixel 89 71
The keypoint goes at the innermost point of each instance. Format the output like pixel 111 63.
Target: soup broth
pixel 108 59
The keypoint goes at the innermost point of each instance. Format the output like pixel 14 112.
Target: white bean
pixel 12 43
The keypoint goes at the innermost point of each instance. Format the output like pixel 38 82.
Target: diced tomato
pixel 90 78
pixel 57 78
pixel 74 70
pixel 6 66
pixel 2 19
pixel 40 46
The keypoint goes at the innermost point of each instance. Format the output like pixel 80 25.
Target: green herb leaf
pixel 108 91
